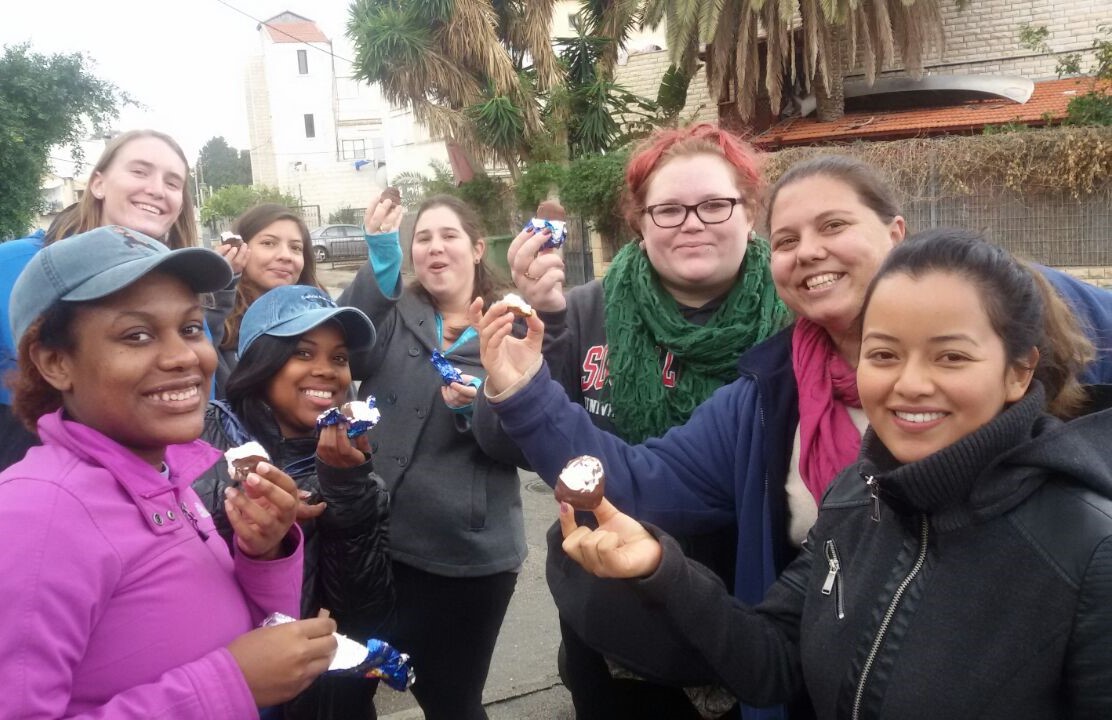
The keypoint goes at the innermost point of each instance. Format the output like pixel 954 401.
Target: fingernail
pixel 303 494
pixel 263 467
pixel 229 493
pixel 253 479
pixel 564 508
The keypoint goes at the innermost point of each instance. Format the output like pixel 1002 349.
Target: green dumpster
pixel 496 248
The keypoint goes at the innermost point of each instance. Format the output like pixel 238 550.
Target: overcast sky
pixel 184 60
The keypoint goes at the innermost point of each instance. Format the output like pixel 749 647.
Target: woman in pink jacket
pixel 120 599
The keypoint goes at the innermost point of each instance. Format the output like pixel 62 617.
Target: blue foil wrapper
pixel 377 659
pixel 448 373
pixel 361 416
pixel 331 416
pixel 558 229
pixel 384 662
pixel 358 416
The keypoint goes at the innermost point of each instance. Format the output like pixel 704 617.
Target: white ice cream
pixel 582 474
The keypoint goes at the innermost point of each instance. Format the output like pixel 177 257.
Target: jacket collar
pixel 957 484
pixel 148 489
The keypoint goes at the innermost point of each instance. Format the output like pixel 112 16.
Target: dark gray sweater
pixel 455 497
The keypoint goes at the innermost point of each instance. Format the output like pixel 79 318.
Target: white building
pixel 65 181
pixel 316 132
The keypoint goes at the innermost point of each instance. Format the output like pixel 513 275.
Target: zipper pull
pixel 833 583
pixel 834 565
pixel 874 493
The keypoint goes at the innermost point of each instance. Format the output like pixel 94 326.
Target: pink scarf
pixel 828 439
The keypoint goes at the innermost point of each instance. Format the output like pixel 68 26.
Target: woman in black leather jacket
pixel 962 567
pixel 294 346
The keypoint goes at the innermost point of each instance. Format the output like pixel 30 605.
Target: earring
pixel 98 196
pixel 752 236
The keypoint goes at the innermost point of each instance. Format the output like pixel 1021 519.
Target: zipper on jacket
pixel 893 605
pixel 874 492
pixel 193 519
pixel 833 583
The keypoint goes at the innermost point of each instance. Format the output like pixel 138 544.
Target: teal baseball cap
pixel 95 264
pixel 290 310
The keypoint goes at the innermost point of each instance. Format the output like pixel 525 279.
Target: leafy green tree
pixel 592 189
pixel 220 165
pixel 1095 106
pixel 46 101
pixel 490 197
pixel 346 215
pixel 232 201
pixel 460 66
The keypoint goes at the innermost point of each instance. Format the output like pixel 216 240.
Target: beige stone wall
pixel 1099 276
pixel 984 37
pixel 641 74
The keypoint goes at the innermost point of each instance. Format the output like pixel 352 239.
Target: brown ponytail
pixel 1063 353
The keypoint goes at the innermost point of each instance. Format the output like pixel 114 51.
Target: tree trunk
pixel 830 102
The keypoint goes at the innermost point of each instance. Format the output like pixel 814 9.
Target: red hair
pixel 703 138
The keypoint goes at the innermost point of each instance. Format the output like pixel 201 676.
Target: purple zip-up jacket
pixel 118 595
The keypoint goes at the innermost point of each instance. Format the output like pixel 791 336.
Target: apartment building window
pixel 302 62
pixel 353 149
pixel 310 126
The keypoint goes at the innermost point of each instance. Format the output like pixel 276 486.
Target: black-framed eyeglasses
pixel 711 212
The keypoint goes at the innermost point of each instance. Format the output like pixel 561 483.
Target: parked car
pixel 338 242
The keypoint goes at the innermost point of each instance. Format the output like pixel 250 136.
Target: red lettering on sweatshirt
pixel 594 368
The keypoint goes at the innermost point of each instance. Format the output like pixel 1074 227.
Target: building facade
pixel 316 132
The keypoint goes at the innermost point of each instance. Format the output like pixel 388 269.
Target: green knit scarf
pixel 643 320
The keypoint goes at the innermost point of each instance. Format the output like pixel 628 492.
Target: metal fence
pixel 579 264
pixel 1046 225
pixel 309 213
pixel 346 252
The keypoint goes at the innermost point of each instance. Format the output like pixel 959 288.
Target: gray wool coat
pixel 455 497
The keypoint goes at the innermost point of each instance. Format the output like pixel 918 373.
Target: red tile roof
pixel 290 32
pixel 1049 100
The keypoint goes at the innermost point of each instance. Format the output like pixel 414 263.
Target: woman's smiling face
pixel 696 261
pixel 142 188
pixel 314 379
pixel 277 255
pixel 141 366
pixel 932 372
pixel 826 247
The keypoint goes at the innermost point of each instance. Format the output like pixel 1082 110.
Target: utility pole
pixel 197 184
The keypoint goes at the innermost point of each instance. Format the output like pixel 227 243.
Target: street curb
pixel 518 692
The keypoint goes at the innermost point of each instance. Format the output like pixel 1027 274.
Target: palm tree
pixel 470 70
pixel 812 43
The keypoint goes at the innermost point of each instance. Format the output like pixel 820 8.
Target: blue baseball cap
pixel 290 310
pixel 95 264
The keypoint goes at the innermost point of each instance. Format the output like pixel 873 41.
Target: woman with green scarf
pixel 643 347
